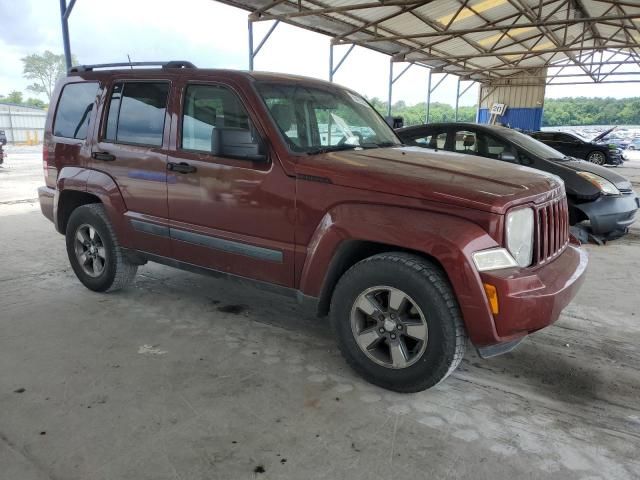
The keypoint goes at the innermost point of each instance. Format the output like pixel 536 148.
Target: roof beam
pixel 340 9
pixel 500 28
pixel 518 52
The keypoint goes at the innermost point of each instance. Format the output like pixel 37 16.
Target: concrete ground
pixel 188 377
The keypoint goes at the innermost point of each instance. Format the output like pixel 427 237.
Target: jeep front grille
pixel 551 230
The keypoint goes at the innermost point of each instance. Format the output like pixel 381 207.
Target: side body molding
pixel 447 239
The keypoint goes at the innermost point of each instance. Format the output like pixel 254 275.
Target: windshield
pixel 314 120
pixel 531 145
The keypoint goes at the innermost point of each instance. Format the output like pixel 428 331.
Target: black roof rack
pixel 170 64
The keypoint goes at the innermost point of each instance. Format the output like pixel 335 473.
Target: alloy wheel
pixel 597 157
pixel 389 327
pixel 90 251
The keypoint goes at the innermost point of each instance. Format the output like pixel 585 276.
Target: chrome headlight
pixel 604 185
pixel 519 228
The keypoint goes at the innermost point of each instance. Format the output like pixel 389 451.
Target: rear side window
pixel 74 110
pixel 436 139
pixel 137 112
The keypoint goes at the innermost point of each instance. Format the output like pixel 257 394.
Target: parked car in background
pixel 634 144
pixel 596 195
pixel 300 185
pixel 594 151
pixel 1 155
pixel 3 137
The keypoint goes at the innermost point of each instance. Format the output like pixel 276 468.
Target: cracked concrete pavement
pixel 190 377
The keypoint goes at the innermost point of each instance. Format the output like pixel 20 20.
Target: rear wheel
pixel 94 252
pixel 597 157
pixel 398 323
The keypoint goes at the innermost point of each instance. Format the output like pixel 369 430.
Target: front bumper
pixel 608 214
pixel 531 299
pixel 615 157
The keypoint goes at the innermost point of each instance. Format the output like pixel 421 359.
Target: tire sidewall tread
pixel 428 285
pixel 118 273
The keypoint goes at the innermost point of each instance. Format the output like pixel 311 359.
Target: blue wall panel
pixel 523 118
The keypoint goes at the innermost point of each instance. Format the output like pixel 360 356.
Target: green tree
pixel 45 69
pixel 35 102
pixel 14 97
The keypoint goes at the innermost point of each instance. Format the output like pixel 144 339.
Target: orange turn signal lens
pixel 492 296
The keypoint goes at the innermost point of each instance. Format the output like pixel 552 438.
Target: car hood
pixel 601 135
pixel 618 180
pixel 437 175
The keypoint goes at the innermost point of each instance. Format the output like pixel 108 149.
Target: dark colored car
pixel 2 155
pixel 3 137
pixel 594 151
pixel 301 187
pixel 595 194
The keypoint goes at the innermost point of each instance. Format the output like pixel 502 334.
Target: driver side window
pixel 497 149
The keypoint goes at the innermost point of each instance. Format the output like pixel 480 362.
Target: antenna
pixel 130 61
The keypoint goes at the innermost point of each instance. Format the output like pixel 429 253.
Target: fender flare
pixel 447 239
pixel 100 185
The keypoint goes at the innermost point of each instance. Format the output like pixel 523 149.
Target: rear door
pixel 132 150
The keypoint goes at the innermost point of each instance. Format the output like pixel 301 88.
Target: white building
pixel 22 124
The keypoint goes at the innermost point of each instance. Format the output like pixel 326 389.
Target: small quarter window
pixel 137 112
pixel 74 110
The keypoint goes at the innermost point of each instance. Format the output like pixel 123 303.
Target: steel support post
pixel 65 11
pixel 457 99
pixel 332 70
pixel 250 27
pixel 390 87
pixel 426 120
pixel 253 52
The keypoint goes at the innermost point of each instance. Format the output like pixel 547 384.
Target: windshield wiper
pixel 332 148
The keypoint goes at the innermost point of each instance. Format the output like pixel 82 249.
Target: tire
pixel 105 267
pixel 428 299
pixel 597 157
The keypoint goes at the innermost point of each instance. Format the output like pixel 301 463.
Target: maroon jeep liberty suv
pixel 300 186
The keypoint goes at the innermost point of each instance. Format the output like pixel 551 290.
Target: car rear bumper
pixel 47 197
pixel 610 213
pixel 533 299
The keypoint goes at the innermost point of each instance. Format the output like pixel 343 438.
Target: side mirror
pixel 238 143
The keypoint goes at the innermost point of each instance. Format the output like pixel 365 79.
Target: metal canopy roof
pixel 483 40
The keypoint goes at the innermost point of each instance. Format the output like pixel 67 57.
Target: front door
pixel 132 149
pixel 227 212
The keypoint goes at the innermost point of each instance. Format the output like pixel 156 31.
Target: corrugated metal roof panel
pixel 367 22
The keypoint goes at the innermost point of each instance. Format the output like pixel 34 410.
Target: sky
pixel 213 35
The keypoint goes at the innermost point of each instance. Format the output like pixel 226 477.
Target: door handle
pixel 104 156
pixel 181 167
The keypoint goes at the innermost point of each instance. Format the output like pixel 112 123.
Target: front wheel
pixel 397 322
pixel 597 157
pixel 94 252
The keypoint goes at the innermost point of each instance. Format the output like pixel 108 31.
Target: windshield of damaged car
pixel 531 145
pixel 314 120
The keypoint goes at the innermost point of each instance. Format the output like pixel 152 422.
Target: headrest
pixel 469 140
pixel 283 115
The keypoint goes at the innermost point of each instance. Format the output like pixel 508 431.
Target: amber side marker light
pixel 492 296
